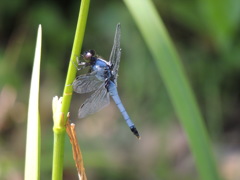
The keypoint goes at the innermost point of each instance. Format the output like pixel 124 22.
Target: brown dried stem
pixel 77 155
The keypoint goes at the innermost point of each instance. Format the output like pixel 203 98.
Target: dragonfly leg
pixel 83 64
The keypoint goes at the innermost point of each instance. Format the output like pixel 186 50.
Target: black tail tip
pixel 135 132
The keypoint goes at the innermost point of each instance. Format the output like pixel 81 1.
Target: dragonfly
pixel 102 81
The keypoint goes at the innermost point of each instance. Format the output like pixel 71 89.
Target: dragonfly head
pixel 89 55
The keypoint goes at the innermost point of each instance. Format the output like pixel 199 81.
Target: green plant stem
pixel 59 138
pixel 77 46
pixel 172 72
pixel 60 116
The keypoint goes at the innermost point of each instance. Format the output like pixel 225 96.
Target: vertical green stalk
pixel 32 158
pixel 61 106
pixel 172 73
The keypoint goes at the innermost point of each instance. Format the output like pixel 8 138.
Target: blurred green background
pixel 206 34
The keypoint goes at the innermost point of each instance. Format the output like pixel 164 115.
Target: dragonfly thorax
pixel 102 69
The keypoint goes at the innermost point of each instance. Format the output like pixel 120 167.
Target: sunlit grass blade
pixel 172 73
pixel 32 159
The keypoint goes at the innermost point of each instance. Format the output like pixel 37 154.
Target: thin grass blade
pixel 172 73
pixel 32 159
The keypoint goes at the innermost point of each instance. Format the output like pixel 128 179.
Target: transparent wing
pixel 86 83
pixel 116 52
pixel 98 100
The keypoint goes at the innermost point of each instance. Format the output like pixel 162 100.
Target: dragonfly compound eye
pixel 89 54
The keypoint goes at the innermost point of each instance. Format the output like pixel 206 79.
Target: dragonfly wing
pixel 116 52
pixel 97 101
pixel 86 83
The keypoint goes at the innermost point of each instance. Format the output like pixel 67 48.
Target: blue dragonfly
pixel 102 81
